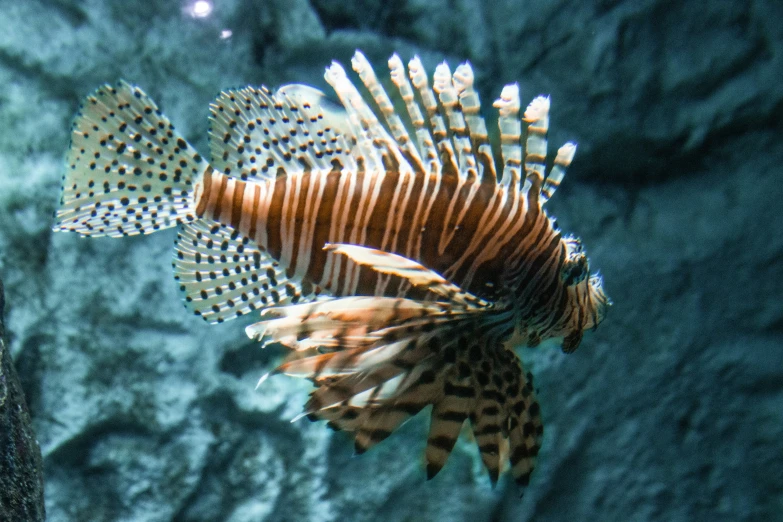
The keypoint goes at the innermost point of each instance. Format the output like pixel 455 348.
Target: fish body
pixel 293 216
pixel 395 267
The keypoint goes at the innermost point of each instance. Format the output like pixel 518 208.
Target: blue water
pixel 671 410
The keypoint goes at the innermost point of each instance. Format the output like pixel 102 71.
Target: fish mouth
pixel 600 301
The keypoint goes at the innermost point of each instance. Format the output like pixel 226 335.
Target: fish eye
pixel 575 269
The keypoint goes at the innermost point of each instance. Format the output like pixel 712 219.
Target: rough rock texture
pixel 21 466
pixel 672 410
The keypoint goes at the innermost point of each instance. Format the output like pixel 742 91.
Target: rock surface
pixel 672 410
pixel 21 466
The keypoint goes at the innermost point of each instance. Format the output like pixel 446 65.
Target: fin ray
pixel 395 125
pixel 449 99
pixel 446 420
pixel 510 132
pixel 416 274
pixel 565 155
pixel 471 106
pixel 537 117
pixel 443 143
pixel 423 137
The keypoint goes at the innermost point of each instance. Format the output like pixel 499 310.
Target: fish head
pixel 586 303
pixel 589 304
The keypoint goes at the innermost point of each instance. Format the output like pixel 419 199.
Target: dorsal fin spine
pixel 471 106
pixel 357 111
pixel 423 136
pixel 510 131
pixel 565 155
pixel 444 146
pixel 370 80
pixel 537 117
pixel 443 86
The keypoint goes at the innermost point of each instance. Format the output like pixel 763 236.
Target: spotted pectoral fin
pixel 376 361
pixel 224 275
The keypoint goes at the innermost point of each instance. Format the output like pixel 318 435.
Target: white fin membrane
pixel 127 170
pixel 253 132
pixel 224 275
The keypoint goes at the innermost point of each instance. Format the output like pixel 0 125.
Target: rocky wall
pixel 671 410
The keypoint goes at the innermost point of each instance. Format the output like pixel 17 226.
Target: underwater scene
pixel 446 260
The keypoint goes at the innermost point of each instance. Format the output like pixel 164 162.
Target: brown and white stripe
pixel 466 230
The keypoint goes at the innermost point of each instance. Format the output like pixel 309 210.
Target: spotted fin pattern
pixel 224 275
pixel 127 170
pixel 253 132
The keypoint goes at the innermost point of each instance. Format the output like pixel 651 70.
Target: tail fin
pixel 127 172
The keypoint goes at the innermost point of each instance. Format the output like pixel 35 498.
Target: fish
pixel 377 239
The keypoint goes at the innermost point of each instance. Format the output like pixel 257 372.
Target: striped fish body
pixel 467 230
pixel 397 267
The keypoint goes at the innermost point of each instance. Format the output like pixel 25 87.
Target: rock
pixel 669 411
pixel 21 467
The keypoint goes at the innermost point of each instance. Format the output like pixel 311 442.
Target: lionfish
pixel 401 272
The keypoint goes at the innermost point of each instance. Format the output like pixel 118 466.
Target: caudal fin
pixel 127 171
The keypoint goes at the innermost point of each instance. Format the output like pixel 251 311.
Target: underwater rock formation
pixel 21 467
pixel 671 410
